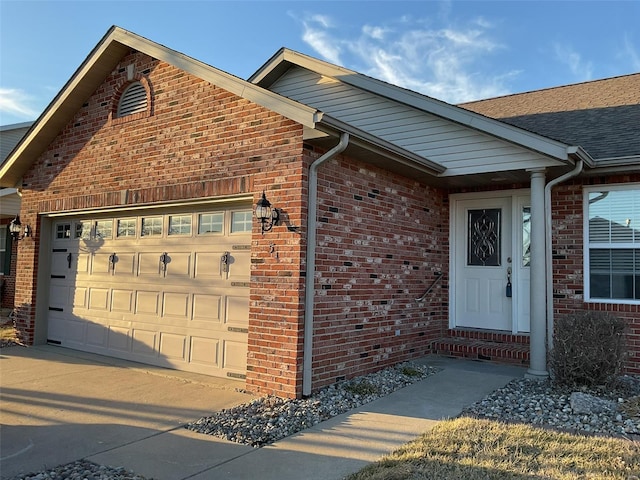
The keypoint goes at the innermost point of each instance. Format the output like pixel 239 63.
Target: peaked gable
pixel 100 62
pixel 464 142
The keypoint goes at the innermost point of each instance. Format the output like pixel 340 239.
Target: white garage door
pixel 164 288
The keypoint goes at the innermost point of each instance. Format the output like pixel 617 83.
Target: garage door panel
pixel 235 355
pixel 82 262
pixel 97 335
pixel 206 308
pixel 208 265
pixel 191 315
pixel 144 342
pixel 58 296
pixel 149 264
pixel 121 300
pixel 147 302
pixel 98 298
pixel 240 266
pixel 56 327
pixel 204 351
pixel 74 332
pixel 124 264
pixel 237 310
pixel 78 297
pixel 175 304
pixel 101 263
pixel 178 265
pixel 119 339
pixel 173 345
pixel 60 264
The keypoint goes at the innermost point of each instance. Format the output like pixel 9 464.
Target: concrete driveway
pixel 58 405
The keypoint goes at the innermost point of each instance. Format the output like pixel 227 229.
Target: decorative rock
pixel 583 403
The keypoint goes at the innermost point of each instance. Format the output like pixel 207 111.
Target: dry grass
pixel 8 334
pixel 472 449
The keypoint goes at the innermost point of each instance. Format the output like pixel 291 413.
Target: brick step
pixel 489 336
pixel 482 350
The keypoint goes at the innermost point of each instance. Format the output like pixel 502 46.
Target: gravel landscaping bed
pixel 613 411
pixel 268 419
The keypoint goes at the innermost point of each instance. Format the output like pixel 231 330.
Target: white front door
pixel 489 267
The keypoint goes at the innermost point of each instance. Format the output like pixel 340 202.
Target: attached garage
pixel 167 287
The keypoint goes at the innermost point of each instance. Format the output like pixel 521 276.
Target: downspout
pixel 549 250
pixel 309 281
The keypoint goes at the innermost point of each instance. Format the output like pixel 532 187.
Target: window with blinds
pixel 613 237
pixel 133 100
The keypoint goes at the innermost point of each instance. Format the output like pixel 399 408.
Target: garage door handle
pixel 69 259
pixel 164 259
pixel 112 262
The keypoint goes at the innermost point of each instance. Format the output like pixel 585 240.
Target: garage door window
pixel 63 230
pixel 152 227
pixel 180 225
pixel 104 229
pixel 210 223
pixel 83 230
pixel 241 221
pixel 126 227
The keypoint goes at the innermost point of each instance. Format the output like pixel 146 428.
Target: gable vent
pixel 133 100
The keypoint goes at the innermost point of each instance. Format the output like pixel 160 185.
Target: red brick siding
pixel 199 141
pixel 380 239
pixel 568 260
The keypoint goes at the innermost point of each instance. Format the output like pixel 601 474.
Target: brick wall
pixel 568 260
pixel 196 140
pixel 380 239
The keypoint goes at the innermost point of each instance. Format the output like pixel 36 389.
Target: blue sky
pixel 452 50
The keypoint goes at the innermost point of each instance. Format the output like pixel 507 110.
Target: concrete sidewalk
pixel 59 405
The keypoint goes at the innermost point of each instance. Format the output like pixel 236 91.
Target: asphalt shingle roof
pixel 602 116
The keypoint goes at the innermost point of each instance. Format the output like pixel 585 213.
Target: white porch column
pixel 538 350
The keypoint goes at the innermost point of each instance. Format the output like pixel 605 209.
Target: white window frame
pixel 587 245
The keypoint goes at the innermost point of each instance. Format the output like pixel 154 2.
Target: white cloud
pixel 581 69
pixel 377 33
pixel 316 34
pixel 16 103
pixel 447 63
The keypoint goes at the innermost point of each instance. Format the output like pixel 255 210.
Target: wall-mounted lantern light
pixel 267 215
pixel 16 230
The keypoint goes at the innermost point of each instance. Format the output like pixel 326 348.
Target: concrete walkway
pixel 58 405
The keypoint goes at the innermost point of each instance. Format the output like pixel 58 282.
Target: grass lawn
pixel 7 334
pixel 472 449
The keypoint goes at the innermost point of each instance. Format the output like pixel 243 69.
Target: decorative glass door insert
pixel 483 246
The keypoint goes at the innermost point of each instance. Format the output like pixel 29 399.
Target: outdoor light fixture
pixel 267 215
pixel 16 230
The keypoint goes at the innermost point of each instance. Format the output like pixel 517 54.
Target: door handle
pixel 112 262
pixel 69 259
pixel 225 261
pixel 509 289
pixel 164 259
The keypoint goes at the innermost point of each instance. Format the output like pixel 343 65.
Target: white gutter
pixel 549 250
pixel 309 281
